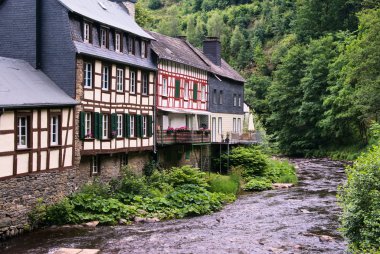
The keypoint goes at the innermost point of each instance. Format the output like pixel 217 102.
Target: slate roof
pixel 177 50
pixel 23 86
pixel 224 70
pixel 89 49
pixel 181 51
pixel 106 12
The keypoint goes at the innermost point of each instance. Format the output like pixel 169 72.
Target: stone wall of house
pixel 180 155
pixel 19 195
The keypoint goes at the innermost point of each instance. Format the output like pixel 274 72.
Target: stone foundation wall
pixel 180 155
pixel 20 194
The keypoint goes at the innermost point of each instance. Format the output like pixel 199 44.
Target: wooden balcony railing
pixel 246 137
pixel 182 137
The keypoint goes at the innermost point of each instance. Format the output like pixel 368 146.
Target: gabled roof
pixel 176 50
pixel 224 69
pixel 23 86
pixel 106 12
pixel 180 50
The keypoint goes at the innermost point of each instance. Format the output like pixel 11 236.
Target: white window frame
pixel 105 77
pixel 132 82
pixel 119 125
pixel 145 83
pixel 220 97
pixel 239 101
pixel 143 49
pixel 234 125
pixel 164 86
pixel 105 125
pixel 88 123
pixel 94 164
pixel 220 125
pixel 54 130
pixel 132 121
pixel 103 37
pixel 86 32
pixel 186 90
pixel 131 47
pixel 87 75
pixel 145 126
pixel 118 42
pixel 22 132
pixel 203 93
pixel 238 125
pixel 120 79
pixel 235 97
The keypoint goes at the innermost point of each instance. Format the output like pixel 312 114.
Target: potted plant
pixel 170 130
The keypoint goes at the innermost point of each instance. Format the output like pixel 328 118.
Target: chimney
pixel 130 5
pixel 213 50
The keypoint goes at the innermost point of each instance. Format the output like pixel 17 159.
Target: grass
pixel 227 184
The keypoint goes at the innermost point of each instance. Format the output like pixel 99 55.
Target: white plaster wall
pixel 7 121
pixel 22 163
pixel 6 168
pixel 69 157
pixel 43 160
pixel 7 143
pixel 54 159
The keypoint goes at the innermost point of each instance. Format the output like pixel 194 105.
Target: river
pixel 303 219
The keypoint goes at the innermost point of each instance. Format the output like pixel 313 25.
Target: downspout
pixel 38 34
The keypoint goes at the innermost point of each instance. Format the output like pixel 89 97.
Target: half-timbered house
pixel 181 100
pixel 97 54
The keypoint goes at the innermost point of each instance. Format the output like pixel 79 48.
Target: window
pixel 131 45
pixel 88 125
pixel 220 125
pixel 132 126
pixel 234 125
pixel 143 49
pixel 118 42
pixel 54 130
pixel 144 126
pixel 239 101
pixel 132 81
pixel 195 92
pixel 86 32
pixel 235 100
pixel 203 93
pixel 22 132
pixel 164 86
pixel 186 91
pixel 238 128
pixel 94 165
pixel 105 124
pixel 104 37
pixel 221 97
pixel 105 77
pixel 177 92
pixel 215 99
pixel 88 75
pixel 119 125
pixel 145 84
pixel 120 79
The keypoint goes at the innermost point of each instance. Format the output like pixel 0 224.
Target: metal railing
pixel 182 137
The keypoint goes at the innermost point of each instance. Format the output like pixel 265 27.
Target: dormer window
pixel 143 49
pixel 86 32
pixel 131 45
pixel 104 37
pixel 118 42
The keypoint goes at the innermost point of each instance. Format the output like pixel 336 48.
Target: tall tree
pixel 215 25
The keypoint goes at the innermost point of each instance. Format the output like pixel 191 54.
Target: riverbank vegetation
pixel 311 66
pixel 360 200
pixel 166 194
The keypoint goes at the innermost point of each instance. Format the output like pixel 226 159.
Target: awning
pixel 185 111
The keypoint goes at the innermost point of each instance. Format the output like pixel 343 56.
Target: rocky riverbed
pixel 303 219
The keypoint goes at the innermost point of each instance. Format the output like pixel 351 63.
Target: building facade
pixel 182 103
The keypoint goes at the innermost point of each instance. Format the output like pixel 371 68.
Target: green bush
pixel 281 171
pixel 229 184
pixel 186 175
pixel 258 184
pixel 251 159
pixel 360 200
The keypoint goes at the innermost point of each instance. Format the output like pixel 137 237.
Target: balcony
pixel 166 137
pixel 246 138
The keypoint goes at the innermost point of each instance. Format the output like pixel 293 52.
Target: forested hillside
pixel 313 66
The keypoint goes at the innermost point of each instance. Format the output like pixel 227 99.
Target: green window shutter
pixel 127 122
pixel 138 126
pixel 96 125
pixel 100 126
pixel 113 125
pixel 150 126
pixel 195 92
pixel 82 131
pixel 177 88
